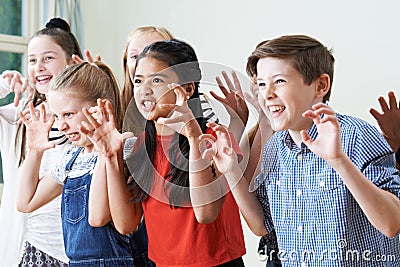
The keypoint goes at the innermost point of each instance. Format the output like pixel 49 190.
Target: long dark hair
pixel 182 58
pixel 60 32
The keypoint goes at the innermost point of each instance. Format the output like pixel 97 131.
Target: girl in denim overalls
pixel 73 93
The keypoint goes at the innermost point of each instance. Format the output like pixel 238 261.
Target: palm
pixel 38 129
pixel 389 119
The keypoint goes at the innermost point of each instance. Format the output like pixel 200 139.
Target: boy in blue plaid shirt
pixel 328 180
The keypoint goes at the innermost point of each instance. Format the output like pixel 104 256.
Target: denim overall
pixel 95 246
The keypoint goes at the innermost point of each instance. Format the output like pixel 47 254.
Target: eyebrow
pixel 153 75
pixel 45 52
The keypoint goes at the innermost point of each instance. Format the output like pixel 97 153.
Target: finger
pixel 168 106
pixel 89 116
pixel 13 83
pixel 31 91
pixel 42 113
pixel 228 81
pixel 23 119
pixel 221 86
pixel 89 56
pixel 110 111
pixel 84 130
pixel 207 137
pixel 77 59
pixel 208 153
pixel 220 99
pixel 98 58
pixel 179 92
pixel 237 83
pixel 51 120
pixel 383 104
pixel 392 100
pixel 211 124
pixel 32 112
pixel 102 110
pixel 329 118
pixel 17 96
pixel 375 113
pixel 227 151
pixel 50 145
pixel 306 138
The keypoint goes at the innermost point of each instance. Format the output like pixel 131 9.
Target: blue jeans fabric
pixel 92 246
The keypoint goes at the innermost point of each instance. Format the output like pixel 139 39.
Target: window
pixel 18 20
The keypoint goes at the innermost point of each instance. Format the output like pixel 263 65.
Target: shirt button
pixel 303 264
pixel 300 228
pixel 298 192
pixel 321 183
pixel 278 182
pixel 299 157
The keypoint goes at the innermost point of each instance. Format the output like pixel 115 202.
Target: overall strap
pixel 72 160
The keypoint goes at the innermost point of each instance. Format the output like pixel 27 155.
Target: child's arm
pixel 206 190
pixel 111 183
pixel 381 207
pixel 226 161
pixel 35 191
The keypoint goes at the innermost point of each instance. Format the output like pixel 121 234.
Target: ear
pixel 189 89
pixel 323 85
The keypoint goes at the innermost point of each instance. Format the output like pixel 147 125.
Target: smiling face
pixel 68 112
pixel 46 59
pixel 283 95
pixel 151 87
pixel 136 46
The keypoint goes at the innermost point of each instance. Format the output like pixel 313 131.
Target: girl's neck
pixel 163 130
pixel 88 149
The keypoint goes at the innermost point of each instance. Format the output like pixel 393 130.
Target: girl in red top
pixel 191 217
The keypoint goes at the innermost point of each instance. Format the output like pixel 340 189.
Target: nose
pixel 39 66
pixel 145 89
pixel 268 92
pixel 62 125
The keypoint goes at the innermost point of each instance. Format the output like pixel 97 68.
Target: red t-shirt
pixel 175 236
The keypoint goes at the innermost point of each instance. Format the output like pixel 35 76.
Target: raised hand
pixel 101 128
pixel 234 101
pixel 389 119
pixel 38 128
pixel 328 144
pixel 221 150
pixel 89 58
pixel 181 115
pixel 18 84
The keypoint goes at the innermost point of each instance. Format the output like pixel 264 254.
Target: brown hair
pixel 59 31
pixel 90 81
pixel 308 56
pixel 127 86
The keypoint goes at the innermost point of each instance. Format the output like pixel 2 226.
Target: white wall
pixel 364 35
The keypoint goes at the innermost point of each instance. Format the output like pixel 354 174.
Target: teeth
pixel 275 108
pixel 148 103
pixel 42 78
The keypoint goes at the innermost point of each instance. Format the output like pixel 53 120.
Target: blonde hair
pixel 90 81
pixel 127 86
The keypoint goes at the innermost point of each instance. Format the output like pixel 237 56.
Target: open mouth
pixel 276 109
pixel 43 78
pixel 148 105
pixel 73 136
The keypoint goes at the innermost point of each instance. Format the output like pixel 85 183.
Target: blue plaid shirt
pixel 317 220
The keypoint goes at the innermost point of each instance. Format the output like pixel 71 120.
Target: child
pixel 137 41
pixel 389 122
pixel 187 224
pixel 329 180
pixel 73 92
pixel 49 52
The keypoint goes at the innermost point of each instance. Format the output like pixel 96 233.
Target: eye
pixel 279 81
pixel 67 114
pixel 32 60
pixel 137 81
pixel 133 57
pixel 157 80
pixel 261 84
pixel 48 58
